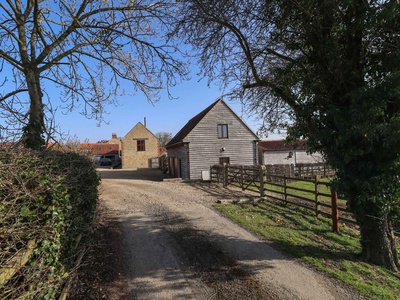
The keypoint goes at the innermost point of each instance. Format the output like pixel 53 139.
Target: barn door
pixel 224 160
pixel 176 167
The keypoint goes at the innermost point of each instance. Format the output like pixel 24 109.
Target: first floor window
pixel 141 145
pixel 222 131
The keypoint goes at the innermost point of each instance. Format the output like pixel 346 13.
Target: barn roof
pixel 190 125
pixel 100 148
pixel 281 145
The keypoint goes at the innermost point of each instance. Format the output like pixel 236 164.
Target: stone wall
pixel 131 157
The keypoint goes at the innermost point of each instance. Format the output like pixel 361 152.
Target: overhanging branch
pixel 11 94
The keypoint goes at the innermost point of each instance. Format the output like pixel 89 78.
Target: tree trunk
pixel 377 240
pixel 33 131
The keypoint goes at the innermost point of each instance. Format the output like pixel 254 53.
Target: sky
pixel 165 115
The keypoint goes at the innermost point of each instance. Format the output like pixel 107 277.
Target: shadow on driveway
pixel 137 174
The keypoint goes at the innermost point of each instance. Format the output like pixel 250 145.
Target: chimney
pixel 114 136
pixel 145 122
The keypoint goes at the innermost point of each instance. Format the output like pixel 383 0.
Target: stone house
pixel 134 150
pixel 216 135
pixel 139 146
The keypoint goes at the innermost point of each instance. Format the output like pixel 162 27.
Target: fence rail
pixel 301 170
pixel 11 267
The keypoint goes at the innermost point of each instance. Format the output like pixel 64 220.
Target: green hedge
pixel 50 198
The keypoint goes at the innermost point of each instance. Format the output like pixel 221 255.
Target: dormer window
pixel 222 131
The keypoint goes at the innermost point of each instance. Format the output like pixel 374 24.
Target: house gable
pixel 181 136
pixel 138 146
pixel 220 114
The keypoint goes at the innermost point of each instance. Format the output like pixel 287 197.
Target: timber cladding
pixel 139 145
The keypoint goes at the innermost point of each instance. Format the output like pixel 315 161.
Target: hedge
pixel 48 199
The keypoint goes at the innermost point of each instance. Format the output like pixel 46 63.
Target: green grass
pixel 308 186
pixel 298 232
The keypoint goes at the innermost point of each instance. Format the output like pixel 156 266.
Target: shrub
pixel 49 199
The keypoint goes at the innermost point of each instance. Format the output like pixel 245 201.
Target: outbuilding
pixel 216 135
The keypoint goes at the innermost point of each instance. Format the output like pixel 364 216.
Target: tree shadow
pixel 140 251
pixel 149 174
pixel 223 193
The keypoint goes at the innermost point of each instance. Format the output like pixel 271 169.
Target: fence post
pixel 211 173
pixel 284 188
pixel 225 174
pixel 335 211
pixel 241 177
pixel 317 206
pixel 261 174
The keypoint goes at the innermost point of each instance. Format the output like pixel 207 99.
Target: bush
pixel 48 199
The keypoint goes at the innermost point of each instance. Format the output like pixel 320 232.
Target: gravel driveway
pixel 171 244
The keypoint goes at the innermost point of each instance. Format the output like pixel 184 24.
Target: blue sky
pixel 165 115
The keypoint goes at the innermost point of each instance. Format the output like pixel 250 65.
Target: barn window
pixel 222 131
pixel 141 145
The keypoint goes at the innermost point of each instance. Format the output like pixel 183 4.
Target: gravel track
pixel 171 244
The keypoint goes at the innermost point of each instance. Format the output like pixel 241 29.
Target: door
pixel 176 167
pixel 224 160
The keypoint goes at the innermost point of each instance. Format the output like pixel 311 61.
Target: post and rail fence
pixel 316 196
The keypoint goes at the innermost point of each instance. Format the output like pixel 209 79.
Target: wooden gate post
pixel 225 174
pixel 261 175
pixel 316 182
pixel 335 211
pixel 285 189
pixel 241 177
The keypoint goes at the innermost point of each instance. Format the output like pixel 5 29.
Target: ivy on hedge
pixel 50 197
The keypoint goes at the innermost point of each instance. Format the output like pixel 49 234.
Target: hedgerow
pixel 48 200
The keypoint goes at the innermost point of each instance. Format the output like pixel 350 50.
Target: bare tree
pixel 164 137
pixel 86 49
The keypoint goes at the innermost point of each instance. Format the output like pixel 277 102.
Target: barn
pixel 216 135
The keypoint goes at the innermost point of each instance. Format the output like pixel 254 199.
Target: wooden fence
pixel 317 197
pixel 21 258
pixel 301 170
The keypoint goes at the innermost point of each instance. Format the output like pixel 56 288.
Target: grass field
pixel 301 234
pixel 309 188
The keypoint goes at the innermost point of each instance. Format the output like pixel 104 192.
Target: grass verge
pixel 304 236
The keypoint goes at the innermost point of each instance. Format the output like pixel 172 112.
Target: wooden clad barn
pixel 216 135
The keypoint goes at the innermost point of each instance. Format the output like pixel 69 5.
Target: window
pixel 222 131
pixel 141 145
